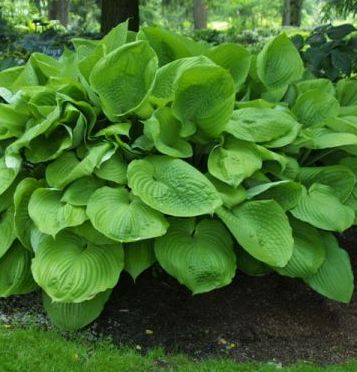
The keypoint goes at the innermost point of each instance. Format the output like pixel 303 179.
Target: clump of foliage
pixel 151 147
pixel 329 51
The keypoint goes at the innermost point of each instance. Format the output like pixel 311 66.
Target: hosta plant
pixel 150 148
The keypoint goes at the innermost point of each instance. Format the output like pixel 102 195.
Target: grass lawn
pixel 35 350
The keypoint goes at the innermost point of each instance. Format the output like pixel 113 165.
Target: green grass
pixel 35 350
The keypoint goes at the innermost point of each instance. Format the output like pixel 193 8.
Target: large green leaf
pixel 130 72
pixel 231 196
pixel 7 230
pixel 13 120
pixel 89 233
pixel 346 92
pixel 23 222
pixel 73 316
pixel 79 192
pixel 324 138
pixel 262 229
pixel 115 38
pixel 233 57
pixel 123 217
pixel 334 279
pixel 113 169
pixel 323 85
pixel 340 178
pixel 71 269
pixel 15 272
pixel 172 186
pixel 321 208
pixel 279 63
pixel 314 106
pixel 139 256
pixel 168 45
pixel 163 129
pixel 234 161
pixel 198 254
pixel 286 193
pixel 9 169
pixel 68 168
pixel 167 76
pixel 50 214
pixel 205 96
pixel 308 253
pixel 271 127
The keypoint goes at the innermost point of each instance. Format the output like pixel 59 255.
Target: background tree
pixel 59 10
pixel 200 14
pixel 292 11
pixel 116 11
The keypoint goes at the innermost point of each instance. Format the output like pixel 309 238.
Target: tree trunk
pixel 292 12
pixel 200 14
pixel 59 9
pixel 116 11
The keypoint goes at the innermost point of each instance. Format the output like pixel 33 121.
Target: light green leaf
pixel 335 277
pixel 234 161
pixel 130 72
pixel 314 106
pixel 168 45
pixel 233 57
pixel 286 193
pixel 323 85
pixel 205 96
pixel 23 222
pixel 7 231
pixel 230 195
pixel 114 169
pixel 70 269
pixel 321 208
pixel 271 127
pixel 13 120
pixel 323 138
pixel 168 75
pixel 308 253
pixel 15 272
pixel 172 186
pixel 68 168
pixel 79 192
pixel 50 214
pixel 89 233
pixel 120 216
pixel 279 63
pixel 340 178
pixel 116 37
pixel 198 254
pixel 73 316
pixel 139 256
pixel 346 92
pixel 164 130
pixel 262 229
pixel 9 169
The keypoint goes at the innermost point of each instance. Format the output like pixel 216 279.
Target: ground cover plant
pixel 150 147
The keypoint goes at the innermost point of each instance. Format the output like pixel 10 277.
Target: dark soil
pixel 254 319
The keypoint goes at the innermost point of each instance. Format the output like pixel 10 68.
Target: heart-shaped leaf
pixel 262 229
pixel 172 186
pixel 71 269
pixel 198 254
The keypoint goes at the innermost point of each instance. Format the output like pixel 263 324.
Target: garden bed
pixel 270 319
